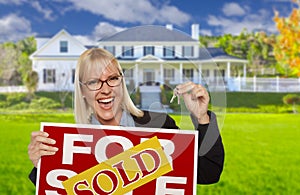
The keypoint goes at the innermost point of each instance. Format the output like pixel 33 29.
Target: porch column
pixel 228 71
pixel 180 73
pixel 162 74
pixel 277 83
pixel 200 73
pixel 136 75
pixel 245 71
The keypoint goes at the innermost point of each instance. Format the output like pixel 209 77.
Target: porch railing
pixel 255 84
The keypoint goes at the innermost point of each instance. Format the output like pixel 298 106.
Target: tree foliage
pixel 256 47
pixel 15 57
pixel 31 82
pixel 287 45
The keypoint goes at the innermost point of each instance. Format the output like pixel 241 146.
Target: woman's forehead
pixel 98 71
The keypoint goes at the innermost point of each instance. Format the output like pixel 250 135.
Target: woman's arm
pixel 211 152
pixel 40 145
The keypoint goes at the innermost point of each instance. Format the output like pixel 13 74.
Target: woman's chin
pixel 106 117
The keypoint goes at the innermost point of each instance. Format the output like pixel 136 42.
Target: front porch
pixel 215 76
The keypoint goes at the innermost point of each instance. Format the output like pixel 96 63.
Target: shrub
pixel 16 98
pixel 44 103
pixel 3 104
pixel 291 99
pixel 20 106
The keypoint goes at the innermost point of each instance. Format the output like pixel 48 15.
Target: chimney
pixel 169 26
pixel 195 31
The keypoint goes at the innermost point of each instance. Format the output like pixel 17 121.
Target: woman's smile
pixel 106 103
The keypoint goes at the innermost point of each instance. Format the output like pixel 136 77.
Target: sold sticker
pixel 123 172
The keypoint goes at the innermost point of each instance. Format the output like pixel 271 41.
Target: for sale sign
pixel 117 160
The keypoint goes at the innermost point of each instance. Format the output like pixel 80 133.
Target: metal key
pixel 174 96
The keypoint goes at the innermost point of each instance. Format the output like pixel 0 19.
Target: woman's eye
pixel 92 82
pixel 114 78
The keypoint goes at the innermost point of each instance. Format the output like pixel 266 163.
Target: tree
pixel 31 83
pixel 8 58
pixel 25 47
pixel 255 47
pixel 291 99
pixel 15 56
pixel 287 45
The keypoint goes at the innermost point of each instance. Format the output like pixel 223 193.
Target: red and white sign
pixel 84 146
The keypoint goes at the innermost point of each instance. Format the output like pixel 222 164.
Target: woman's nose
pixel 105 89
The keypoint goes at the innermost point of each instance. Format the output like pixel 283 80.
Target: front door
pixel 149 75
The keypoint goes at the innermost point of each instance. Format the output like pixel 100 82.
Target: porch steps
pixel 151 101
pixel 150 98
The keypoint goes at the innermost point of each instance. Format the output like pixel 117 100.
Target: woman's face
pixel 106 102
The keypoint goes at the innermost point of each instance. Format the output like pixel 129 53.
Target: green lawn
pixel 262 153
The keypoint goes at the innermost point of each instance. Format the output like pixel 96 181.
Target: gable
pixel 149 58
pixel 52 47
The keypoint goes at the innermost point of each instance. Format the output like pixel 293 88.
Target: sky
pixel 89 20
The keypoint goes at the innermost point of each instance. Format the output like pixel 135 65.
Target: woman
pixel 101 97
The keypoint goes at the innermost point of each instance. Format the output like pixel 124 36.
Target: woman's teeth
pixel 105 101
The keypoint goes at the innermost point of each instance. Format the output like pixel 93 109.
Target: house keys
pixel 175 94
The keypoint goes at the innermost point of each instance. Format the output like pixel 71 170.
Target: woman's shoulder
pixel 155 120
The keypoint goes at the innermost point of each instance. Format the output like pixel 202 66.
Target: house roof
pixel 149 33
pixel 38 52
pixel 215 53
pixel 205 54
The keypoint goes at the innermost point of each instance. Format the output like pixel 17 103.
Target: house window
pixel 127 51
pixel 110 49
pixel 49 76
pixel 169 51
pixel 128 73
pixel 169 74
pixel 205 73
pixel 148 50
pixel 188 51
pixel 63 46
pixel 188 74
pixel 73 75
pixel 219 73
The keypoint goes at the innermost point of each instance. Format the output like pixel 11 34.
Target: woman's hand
pixel 39 146
pixel 196 100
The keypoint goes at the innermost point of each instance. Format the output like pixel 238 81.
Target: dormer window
pixel 188 51
pixel 149 50
pixel 63 46
pixel 127 51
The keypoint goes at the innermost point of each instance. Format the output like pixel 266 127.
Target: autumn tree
pixel 287 45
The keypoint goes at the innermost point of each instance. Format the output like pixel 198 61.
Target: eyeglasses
pixel 96 84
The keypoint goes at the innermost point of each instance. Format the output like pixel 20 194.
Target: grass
pixel 262 153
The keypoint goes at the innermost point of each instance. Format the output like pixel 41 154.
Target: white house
pixel 55 61
pixel 149 55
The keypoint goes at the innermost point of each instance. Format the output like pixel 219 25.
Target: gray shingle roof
pixel 149 33
pixel 216 53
